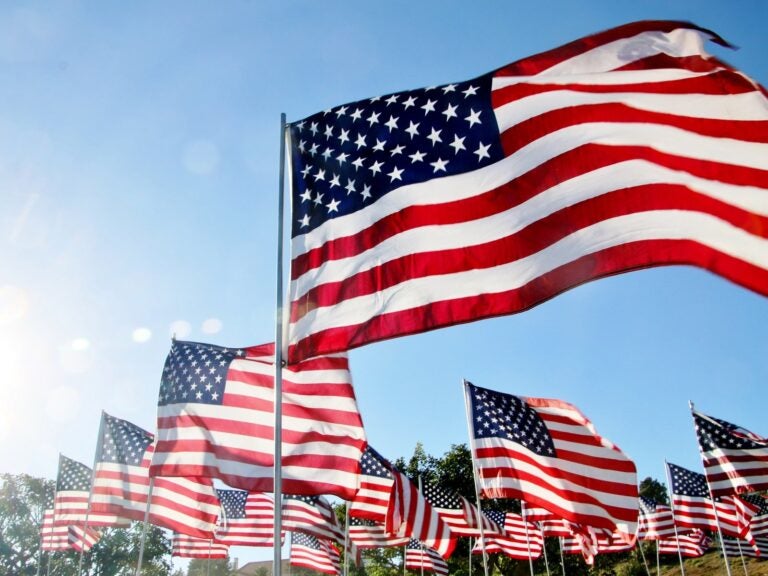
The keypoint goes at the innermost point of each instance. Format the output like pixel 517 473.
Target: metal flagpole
pixel 42 538
pixel 743 562
pixel 714 509
pixel 90 493
pixel 475 477
pixel 658 561
pixel 405 548
pixel 674 521
pixel 210 545
pixel 527 536
pixel 640 547
pixel 346 539
pixel 144 527
pixel 470 556
pixel 279 356
pixel 562 558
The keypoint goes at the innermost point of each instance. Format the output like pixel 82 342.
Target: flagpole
pixel 144 527
pixel 90 493
pixel 674 521
pixel 527 536
pixel 279 356
pixel 714 507
pixel 658 561
pixel 42 537
pixel 562 558
pixel 470 555
pixel 475 477
pixel 421 545
pixel 210 545
pixel 741 554
pixel 346 539
pixel 642 554
pixel 405 548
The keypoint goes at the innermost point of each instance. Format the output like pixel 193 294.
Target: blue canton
pixel 496 516
pixel 301 539
pixel 687 483
pixel 233 502
pixel 715 433
pixel 122 442
pixel 196 372
pixel 348 157
pixel 73 475
pixel 498 415
pixel 373 464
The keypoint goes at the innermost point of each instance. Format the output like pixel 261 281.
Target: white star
pixel 473 118
pixel 411 101
pixel 313 150
pixel 482 151
pixel 313 128
pixel 439 164
pixel 328 132
pixel 417 157
pixel 373 118
pixel 366 193
pixel 449 88
pixel 357 163
pixel 320 175
pixel 470 91
pixel 341 158
pixel 350 187
pixel 435 136
pixel 391 100
pixel 318 199
pixel 397 150
pixel 392 123
pixel 300 126
pixel 341 111
pixel 379 145
pixel 356 115
pixel 344 136
pixel 360 141
pixel 376 167
pixel 333 206
pixel 335 181
pixel 413 129
pixel 395 174
pixel 302 145
pixel 429 106
pixel 458 143
pixel 306 170
pixel 449 112
pixel 327 153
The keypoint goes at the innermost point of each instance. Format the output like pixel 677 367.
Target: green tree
pixel 655 490
pixel 217 567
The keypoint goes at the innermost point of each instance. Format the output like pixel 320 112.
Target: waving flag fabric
pixel 312 515
pixel 758 525
pixel 735 547
pixel 82 540
pixel 315 554
pixel 655 520
pixel 53 538
pixel 419 557
pixel 547 453
pixel 372 500
pixel 73 486
pixel 216 419
pixel 412 515
pixel 370 534
pixel 247 519
pixel 188 547
pixel 461 516
pixel 121 484
pixel 735 459
pixel 690 545
pixel 626 149
pixel 519 539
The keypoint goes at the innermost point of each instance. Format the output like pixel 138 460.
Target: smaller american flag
pixel 462 517
pixel 759 522
pixel 312 515
pixel 242 524
pixel 735 459
pixel 655 520
pixel 369 534
pixel 188 547
pixel 736 547
pixel 315 554
pixel 411 515
pixel 82 540
pixel 690 545
pixel 373 497
pixel 419 557
pixel 520 540
pixel 53 538
pixel 73 486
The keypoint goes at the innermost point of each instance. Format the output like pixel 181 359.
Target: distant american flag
pixel 691 545
pixel 216 419
pixel 315 554
pixel 312 515
pixel 520 540
pixel 547 453
pixel 121 484
pixel 188 547
pixel 629 148
pixel 759 523
pixel 73 486
pixel 53 538
pixel 655 520
pixel 246 519
pixel 735 459
pixel 372 499
pixel 370 534
pixel 461 516
pixel 82 540
pixel 735 547
pixel 420 557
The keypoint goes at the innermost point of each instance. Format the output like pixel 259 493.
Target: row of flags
pixel 629 148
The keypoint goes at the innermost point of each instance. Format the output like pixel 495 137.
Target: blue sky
pixel 138 197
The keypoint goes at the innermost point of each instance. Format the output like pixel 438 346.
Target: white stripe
pixel 657 225
pixel 599 78
pixel 747 106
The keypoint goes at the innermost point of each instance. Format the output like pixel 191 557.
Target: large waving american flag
pixel 121 484
pixel 735 459
pixel 548 454
pixel 216 419
pixel 626 149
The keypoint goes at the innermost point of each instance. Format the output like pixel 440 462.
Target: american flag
pixel 53 538
pixel 412 515
pixel 759 523
pixel 602 544
pixel 655 520
pixel 188 547
pixel 121 484
pixel 312 515
pixel 547 453
pixel 735 547
pixel 372 499
pixel 461 516
pixel 246 519
pixel 626 149
pixel 735 459
pixel 216 419
pixel 691 545
pixel 82 540
pixel 550 524
pixel 419 557
pixel 73 486
pixel 520 540
pixel 369 534
pixel 315 554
